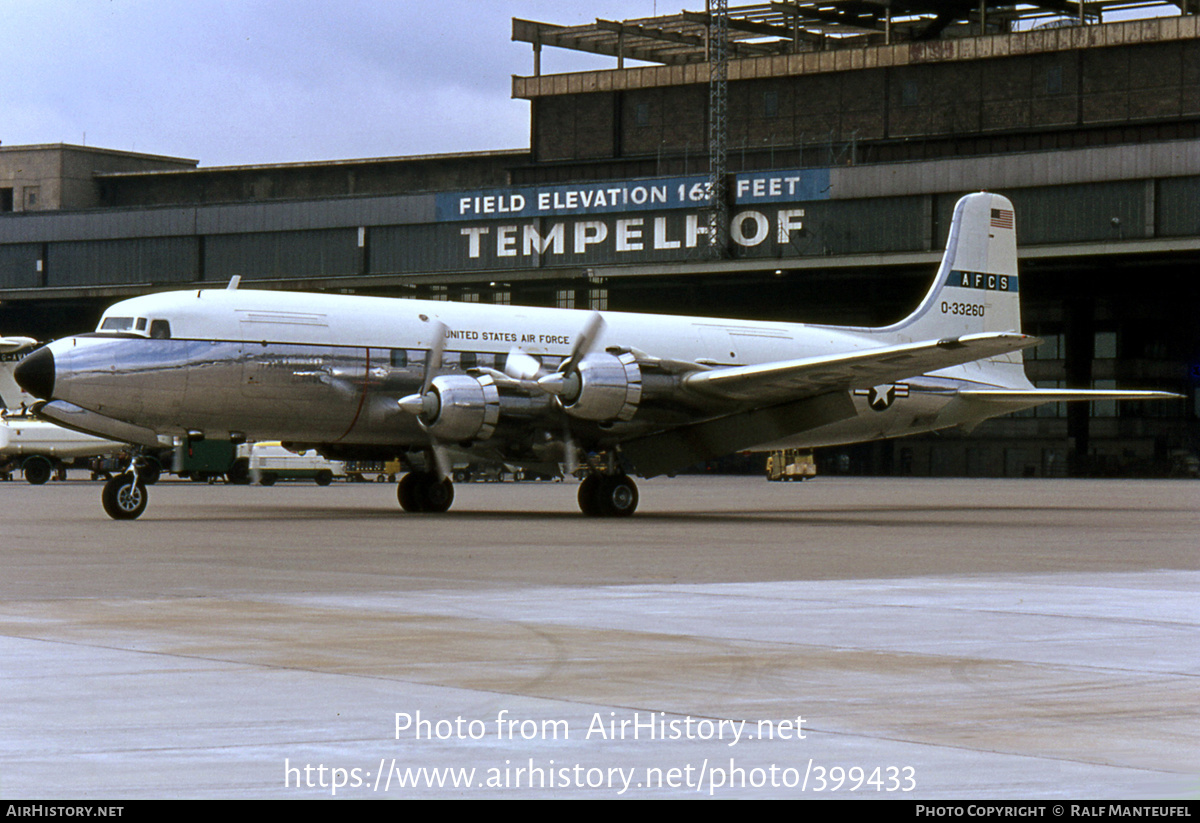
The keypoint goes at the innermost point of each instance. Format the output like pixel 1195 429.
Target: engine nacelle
pixel 604 387
pixel 458 407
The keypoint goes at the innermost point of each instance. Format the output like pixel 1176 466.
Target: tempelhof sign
pixel 625 220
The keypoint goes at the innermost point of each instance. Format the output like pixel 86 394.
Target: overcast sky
pixel 230 82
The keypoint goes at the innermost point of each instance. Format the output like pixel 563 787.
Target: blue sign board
pixel 780 186
pixel 615 196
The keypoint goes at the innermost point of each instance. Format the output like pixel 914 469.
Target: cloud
pixel 264 81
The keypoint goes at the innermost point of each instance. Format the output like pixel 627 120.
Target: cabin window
pixel 399 358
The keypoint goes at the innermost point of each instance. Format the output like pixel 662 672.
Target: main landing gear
pixel 424 491
pixel 608 495
pixel 600 495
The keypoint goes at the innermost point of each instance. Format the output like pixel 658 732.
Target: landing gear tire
pixel 38 471
pixel 124 497
pixel 588 488
pixel 324 477
pixel 150 471
pixel 608 495
pixel 425 492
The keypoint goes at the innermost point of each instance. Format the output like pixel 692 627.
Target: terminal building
pixel 848 131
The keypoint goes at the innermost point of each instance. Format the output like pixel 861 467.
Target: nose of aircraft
pixel 35 374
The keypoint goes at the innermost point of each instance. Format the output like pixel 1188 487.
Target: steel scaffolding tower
pixel 718 133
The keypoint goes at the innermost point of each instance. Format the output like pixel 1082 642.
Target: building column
pixel 1079 342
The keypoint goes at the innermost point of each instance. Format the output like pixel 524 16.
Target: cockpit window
pixel 160 329
pixel 123 325
pixel 117 324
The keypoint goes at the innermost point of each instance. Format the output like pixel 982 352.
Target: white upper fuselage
pixel 387 323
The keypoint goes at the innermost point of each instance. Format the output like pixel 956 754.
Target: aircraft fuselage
pixel 328 369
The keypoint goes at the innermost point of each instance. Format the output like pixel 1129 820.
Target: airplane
pixel 609 394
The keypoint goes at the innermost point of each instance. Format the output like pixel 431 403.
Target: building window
pixel 6 199
pixel 641 114
pixel 598 299
pixel 502 298
pixel 1050 349
pixel 1104 408
pixel 1050 409
pixel 770 104
pixel 910 93
pixel 31 198
pixel 1054 80
pixel 564 298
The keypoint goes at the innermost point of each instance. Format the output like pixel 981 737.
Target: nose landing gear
pixel 125 497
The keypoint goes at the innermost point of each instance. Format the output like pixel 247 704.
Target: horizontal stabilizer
pixel 1062 395
pixel 808 376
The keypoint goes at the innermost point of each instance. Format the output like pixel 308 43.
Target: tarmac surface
pixel 838 638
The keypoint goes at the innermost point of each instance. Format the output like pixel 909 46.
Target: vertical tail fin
pixel 976 288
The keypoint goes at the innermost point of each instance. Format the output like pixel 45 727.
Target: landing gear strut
pixel 608 495
pixel 125 497
pixel 424 491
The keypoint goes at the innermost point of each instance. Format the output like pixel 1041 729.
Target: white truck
pixel 270 461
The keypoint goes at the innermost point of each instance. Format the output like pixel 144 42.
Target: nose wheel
pixel 125 497
pixel 425 492
pixel 608 495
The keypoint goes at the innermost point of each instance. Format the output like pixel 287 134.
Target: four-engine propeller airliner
pixel 614 393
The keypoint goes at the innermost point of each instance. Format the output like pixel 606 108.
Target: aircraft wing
pixel 785 380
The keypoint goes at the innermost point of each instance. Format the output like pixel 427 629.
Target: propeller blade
pixel 584 343
pixel 570 454
pixel 434 361
pixel 442 466
pixel 522 366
